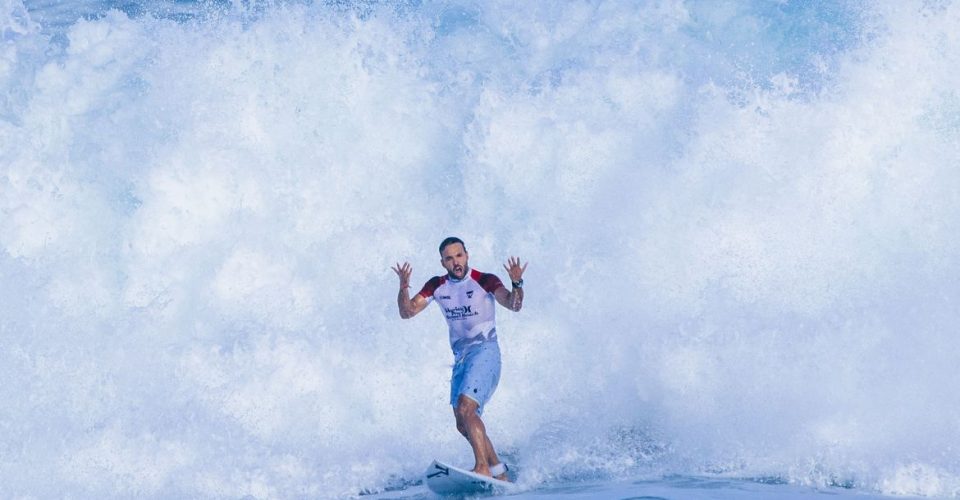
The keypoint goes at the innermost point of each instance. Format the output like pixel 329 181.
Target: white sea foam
pixel 741 221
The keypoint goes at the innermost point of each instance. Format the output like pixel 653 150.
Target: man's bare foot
pixel 499 471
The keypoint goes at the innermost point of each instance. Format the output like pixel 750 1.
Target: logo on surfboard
pixel 441 471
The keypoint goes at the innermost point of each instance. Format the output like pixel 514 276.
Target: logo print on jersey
pixel 460 312
pixel 469 294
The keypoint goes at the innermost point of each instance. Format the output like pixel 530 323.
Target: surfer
pixel 466 297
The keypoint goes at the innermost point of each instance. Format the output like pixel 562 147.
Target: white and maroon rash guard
pixel 468 305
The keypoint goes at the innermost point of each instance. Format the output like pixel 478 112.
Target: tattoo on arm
pixel 404 303
pixel 516 299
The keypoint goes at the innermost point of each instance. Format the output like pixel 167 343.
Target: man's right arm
pixel 408 307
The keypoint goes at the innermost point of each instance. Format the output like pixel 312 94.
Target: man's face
pixel 454 260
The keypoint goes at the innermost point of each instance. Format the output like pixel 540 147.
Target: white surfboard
pixel 445 479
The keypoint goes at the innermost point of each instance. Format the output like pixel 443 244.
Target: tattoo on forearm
pixel 516 299
pixel 403 302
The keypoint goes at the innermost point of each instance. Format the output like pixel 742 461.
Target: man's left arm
pixel 513 299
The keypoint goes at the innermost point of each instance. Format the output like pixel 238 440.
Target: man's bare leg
pixel 471 426
pixel 493 459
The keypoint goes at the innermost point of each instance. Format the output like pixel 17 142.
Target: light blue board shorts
pixel 476 374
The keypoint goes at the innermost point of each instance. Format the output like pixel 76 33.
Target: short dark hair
pixel 450 241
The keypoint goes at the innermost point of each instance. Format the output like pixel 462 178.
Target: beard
pixel 458 272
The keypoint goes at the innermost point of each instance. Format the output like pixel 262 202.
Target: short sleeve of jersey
pixel 429 287
pixel 490 282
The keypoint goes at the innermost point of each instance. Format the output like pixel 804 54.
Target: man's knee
pixel 466 413
pixel 466 408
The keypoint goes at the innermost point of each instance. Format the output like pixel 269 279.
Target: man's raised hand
pixel 514 269
pixel 404 273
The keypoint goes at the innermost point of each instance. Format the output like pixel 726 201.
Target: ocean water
pixel 742 220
